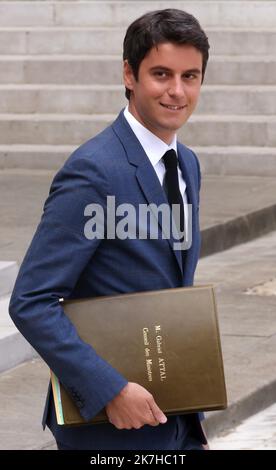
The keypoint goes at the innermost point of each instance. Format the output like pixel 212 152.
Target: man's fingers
pixel 157 413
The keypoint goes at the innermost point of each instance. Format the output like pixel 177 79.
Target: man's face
pixel 167 89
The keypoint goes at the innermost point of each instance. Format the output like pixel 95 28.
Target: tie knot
pixel 170 159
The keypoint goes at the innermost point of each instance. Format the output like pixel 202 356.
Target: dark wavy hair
pixel 160 26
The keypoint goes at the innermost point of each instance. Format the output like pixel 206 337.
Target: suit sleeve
pixel 51 268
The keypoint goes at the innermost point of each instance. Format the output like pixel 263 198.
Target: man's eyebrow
pixel 162 67
pixel 195 71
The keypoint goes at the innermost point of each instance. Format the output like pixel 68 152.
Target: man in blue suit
pixel 165 57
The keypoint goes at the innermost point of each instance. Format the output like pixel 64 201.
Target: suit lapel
pixel 187 172
pixel 145 173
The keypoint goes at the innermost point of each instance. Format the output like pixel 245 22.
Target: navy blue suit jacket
pixel 62 263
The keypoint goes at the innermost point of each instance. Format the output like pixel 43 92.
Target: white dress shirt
pixel 155 148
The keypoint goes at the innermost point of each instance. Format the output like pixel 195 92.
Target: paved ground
pixel 255 433
pixel 248 326
pixel 247 313
pixel 248 329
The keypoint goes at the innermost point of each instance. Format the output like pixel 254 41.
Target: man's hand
pixel 134 407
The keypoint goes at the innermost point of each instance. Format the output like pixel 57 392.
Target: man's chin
pixel 174 126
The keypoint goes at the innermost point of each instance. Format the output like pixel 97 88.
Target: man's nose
pixel 176 88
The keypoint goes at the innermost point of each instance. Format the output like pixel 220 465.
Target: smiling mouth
pixel 173 107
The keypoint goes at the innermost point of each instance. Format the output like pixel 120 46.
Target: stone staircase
pixel 60 81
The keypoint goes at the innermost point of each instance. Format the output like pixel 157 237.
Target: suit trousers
pixel 189 443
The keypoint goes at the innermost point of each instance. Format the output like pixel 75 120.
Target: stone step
pixel 101 99
pixel 108 13
pixel 77 40
pixel 243 161
pixel 233 160
pixel 14 349
pixel 34 157
pixel 8 273
pixel 73 129
pixel 93 69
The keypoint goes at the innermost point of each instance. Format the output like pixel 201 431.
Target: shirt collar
pixel 154 147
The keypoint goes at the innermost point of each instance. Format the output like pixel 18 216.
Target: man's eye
pixel 160 74
pixel 190 76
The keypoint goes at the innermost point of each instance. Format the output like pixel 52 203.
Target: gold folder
pixel 168 341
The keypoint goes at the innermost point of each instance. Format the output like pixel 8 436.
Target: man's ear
pixel 128 76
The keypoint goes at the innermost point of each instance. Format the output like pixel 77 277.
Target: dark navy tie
pixel 171 187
